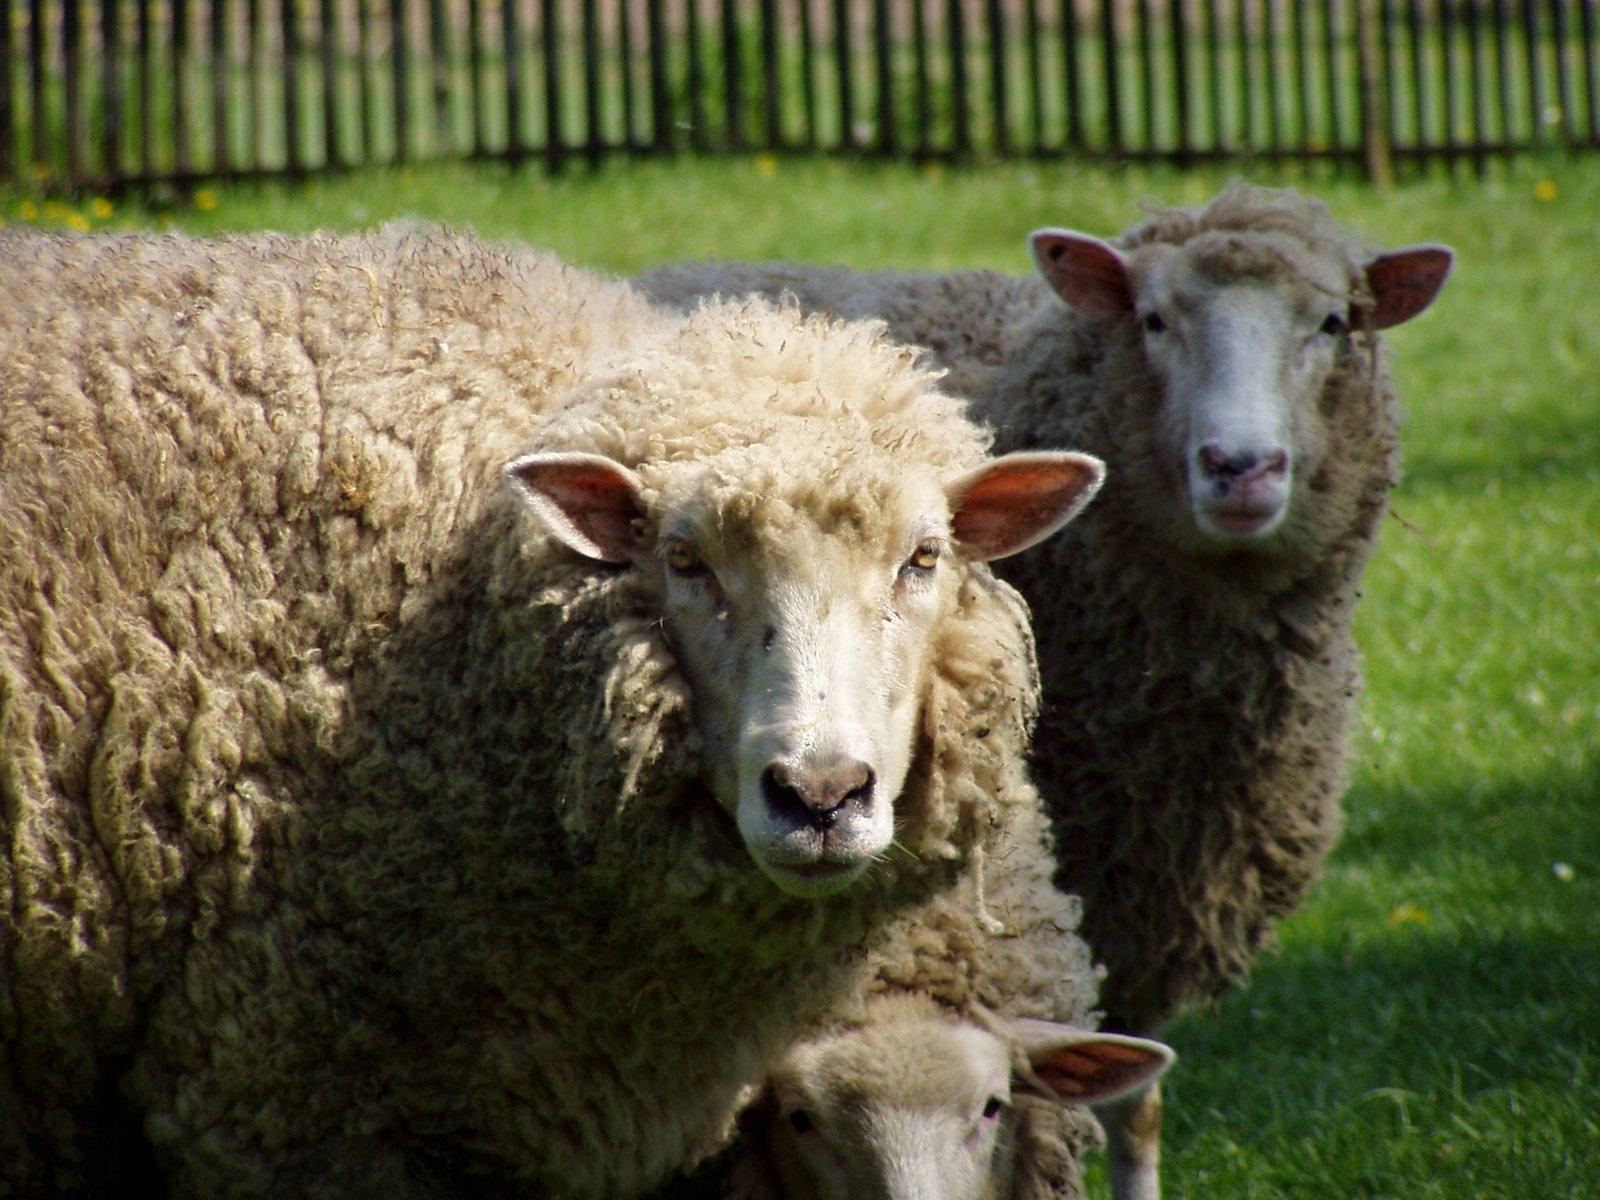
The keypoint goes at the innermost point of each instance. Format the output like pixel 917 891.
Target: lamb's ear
pixel 1405 281
pixel 1086 272
pixel 1009 503
pixel 586 501
pixel 1079 1066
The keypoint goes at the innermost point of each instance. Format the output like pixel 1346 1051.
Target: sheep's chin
pixel 812 880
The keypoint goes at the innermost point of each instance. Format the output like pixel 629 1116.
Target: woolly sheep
pixel 375 826
pixel 1195 632
pixel 975 997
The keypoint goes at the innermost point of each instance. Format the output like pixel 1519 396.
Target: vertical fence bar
pixel 771 75
pixel 72 68
pixel 626 41
pixel 883 63
pixel 922 97
pixel 1178 32
pixel 1270 40
pixel 1562 53
pixel 698 135
pixel 1591 90
pixel 1503 70
pixel 110 87
pixel 732 78
pixel 511 41
pixel 594 136
pixel 1449 101
pixel 1300 49
pixel 367 73
pixel 1472 12
pixel 8 116
pixel 843 56
pixel 1034 45
pixel 996 20
pixel 1072 77
pixel 445 64
pixel 554 144
pixel 956 33
pixel 1419 76
pixel 147 92
pixel 661 135
pixel 808 73
pixel 1377 158
pixel 1333 98
pixel 182 79
pixel 436 50
pixel 1113 80
pixel 220 108
pixel 1147 73
pixel 331 48
pixel 37 82
pixel 1530 32
pixel 400 33
pixel 1215 44
pixel 289 14
pixel 1249 98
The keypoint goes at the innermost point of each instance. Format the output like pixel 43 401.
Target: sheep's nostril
pixel 819 796
pixel 1241 464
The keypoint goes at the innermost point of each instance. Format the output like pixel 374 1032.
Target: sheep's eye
pixel 800 1121
pixel 925 557
pixel 993 1107
pixel 682 557
pixel 1335 325
pixel 1153 323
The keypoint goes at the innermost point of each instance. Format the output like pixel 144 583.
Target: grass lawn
pixel 1431 1026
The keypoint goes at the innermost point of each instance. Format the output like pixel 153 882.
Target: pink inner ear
pixel 1084 271
pixel 590 503
pixel 1015 501
pixel 1094 1069
pixel 1404 282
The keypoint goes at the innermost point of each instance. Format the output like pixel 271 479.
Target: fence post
pixel 1377 155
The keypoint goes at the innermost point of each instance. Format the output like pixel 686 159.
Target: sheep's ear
pixel 1009 503
pixel 1078 1066
pixel 1404 282
pixel 1086 272
pixel 586 501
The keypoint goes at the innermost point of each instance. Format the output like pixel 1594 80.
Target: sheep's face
pixel 914 1106
pixel 1242 331
pixel 802 605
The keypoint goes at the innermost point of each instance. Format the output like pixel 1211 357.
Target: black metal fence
pixel 102 92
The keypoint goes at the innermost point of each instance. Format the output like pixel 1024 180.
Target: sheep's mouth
pixel 812 877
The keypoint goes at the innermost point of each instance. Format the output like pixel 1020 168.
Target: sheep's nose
pixel 1242 465
pixel 818 794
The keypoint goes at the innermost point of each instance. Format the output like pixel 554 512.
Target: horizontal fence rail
pixel 98 93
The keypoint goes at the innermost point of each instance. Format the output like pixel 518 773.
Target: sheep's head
pixel 1243 328
pixel 918 1105
pixel 801 584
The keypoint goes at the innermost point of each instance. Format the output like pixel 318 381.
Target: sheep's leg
pixel 1133 1144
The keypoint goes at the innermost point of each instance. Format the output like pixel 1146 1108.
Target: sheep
pixel 447 706
pixel 1195 632
pixel 960 1076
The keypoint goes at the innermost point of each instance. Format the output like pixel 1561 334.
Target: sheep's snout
pixel 1240 493
pixel 817 795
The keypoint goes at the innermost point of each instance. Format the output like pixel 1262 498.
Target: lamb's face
pixel 801 590
pixel 1242 332
pixel 914 1105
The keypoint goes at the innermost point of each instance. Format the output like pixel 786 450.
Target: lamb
pixel 963 1075
pixel 446 706
pixel 1195 632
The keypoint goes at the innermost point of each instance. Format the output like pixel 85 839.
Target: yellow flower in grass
pixel 76 220
pixel 101 208
pixel 28 210
pixel 766 165
pixel 1407 914
pixel 1545 190
pixel 205 199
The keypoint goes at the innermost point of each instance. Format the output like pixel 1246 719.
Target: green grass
pixel 1431 1026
